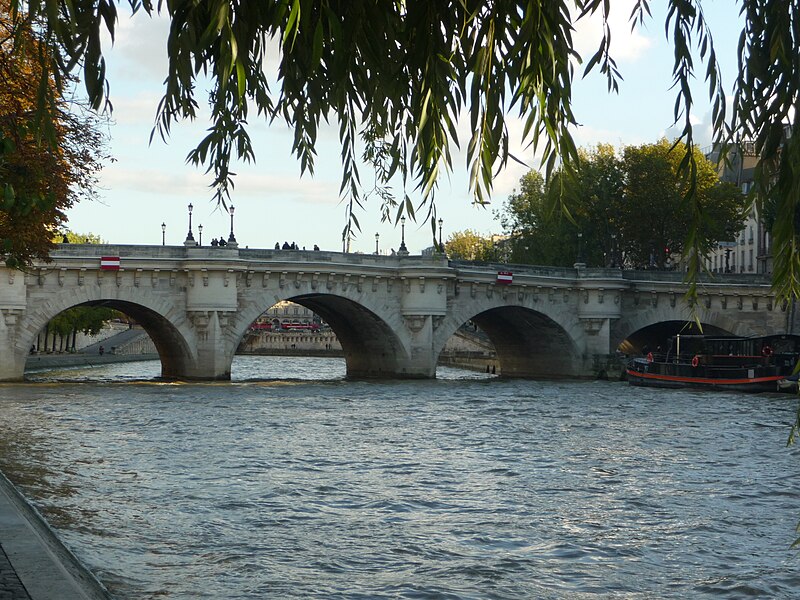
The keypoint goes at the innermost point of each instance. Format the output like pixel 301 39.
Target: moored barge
pixel 746 364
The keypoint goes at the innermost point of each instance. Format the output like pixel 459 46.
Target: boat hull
pixel 752 385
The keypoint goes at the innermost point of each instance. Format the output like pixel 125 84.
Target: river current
pixel 290 482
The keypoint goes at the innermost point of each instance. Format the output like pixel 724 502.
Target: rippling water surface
pixel 290 482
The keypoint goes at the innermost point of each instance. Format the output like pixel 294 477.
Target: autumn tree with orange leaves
pixel 46 164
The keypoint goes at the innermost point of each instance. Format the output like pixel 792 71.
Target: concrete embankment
pixel 43 362
pixel 34 564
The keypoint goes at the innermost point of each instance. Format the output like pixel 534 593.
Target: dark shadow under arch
pixel 658 335
pixel 370 346
pixel 529 343
pixel 171 346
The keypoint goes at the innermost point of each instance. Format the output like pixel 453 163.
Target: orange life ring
pixel 766 351
pixel 649 357
pixel 695 361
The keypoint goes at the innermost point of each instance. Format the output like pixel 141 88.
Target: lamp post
pixel 580 260
pixel 231 237
pixel 163 234
pixel 613 264
pixel 200 231
pixel 403 251
pixel 377 240
pixel 441 247
pixel 189 237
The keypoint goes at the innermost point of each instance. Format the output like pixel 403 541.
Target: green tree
pixel 80 319
pixel 469 245
pixel 78 238
pixel 655 216
pixel 538 234
pixel 630 207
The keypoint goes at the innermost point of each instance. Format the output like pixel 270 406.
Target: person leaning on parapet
pixel 214 242
pixel 222 242
pixel 316 248
pixel 286 246
pixel 277 246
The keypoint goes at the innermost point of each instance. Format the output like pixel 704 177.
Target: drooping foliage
pixel 398 74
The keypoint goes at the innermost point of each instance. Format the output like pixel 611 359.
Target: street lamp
pixel 163 234
pixel 403 251
pixel 580 248
pixel 613 264
pixel 231 237
pixel 377 239
pixel 200 231
pixel 189 237
pixel 441 247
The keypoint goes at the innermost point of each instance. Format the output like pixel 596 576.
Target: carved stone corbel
pixel 770 305
pixel 119 277
pixel 314 281
pixel 172 276
pixel 282 279
pixel 42 274
pixel 154 277
pixel 473 289
pixel 436 321
pixel 265 278
pixel 671 299
pixel 227 277
pixel 248 279
pixel 137 275
pixel 298 279
pixel 415 322
pixel 61 274
pixel 12 273
pixel 708 301
pixel 10 316
pixel 345 282
pixel 592 326
pixel 81 276
pixel 331 283
pixel 739 302
pixel 200 320
pixel 422 285
pixel 601 295
pixel 375 281
pixel 585 297
pixel 723 301
pixel 653 299
pixel 755 302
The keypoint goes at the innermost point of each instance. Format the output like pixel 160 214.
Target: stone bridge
pixel 392 315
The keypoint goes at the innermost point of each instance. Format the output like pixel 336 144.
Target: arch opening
pixel 657 336
pixel 369 345
pixel 528 344
pixel 169 344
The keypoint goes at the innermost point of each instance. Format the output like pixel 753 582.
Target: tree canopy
pixel 626 208
pixel 397 75
pixel 45 165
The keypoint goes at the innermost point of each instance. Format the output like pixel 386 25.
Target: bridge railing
pixel 265 254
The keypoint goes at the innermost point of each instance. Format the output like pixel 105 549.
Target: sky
pixel 149 183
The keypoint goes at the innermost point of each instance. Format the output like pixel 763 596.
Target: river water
pixel 290 482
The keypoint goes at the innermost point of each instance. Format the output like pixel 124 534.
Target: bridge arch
pixel 373 343
pixel 670 319
pixel 529 341
pixel 166 326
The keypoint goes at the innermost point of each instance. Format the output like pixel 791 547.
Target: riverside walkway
pixel 34 564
